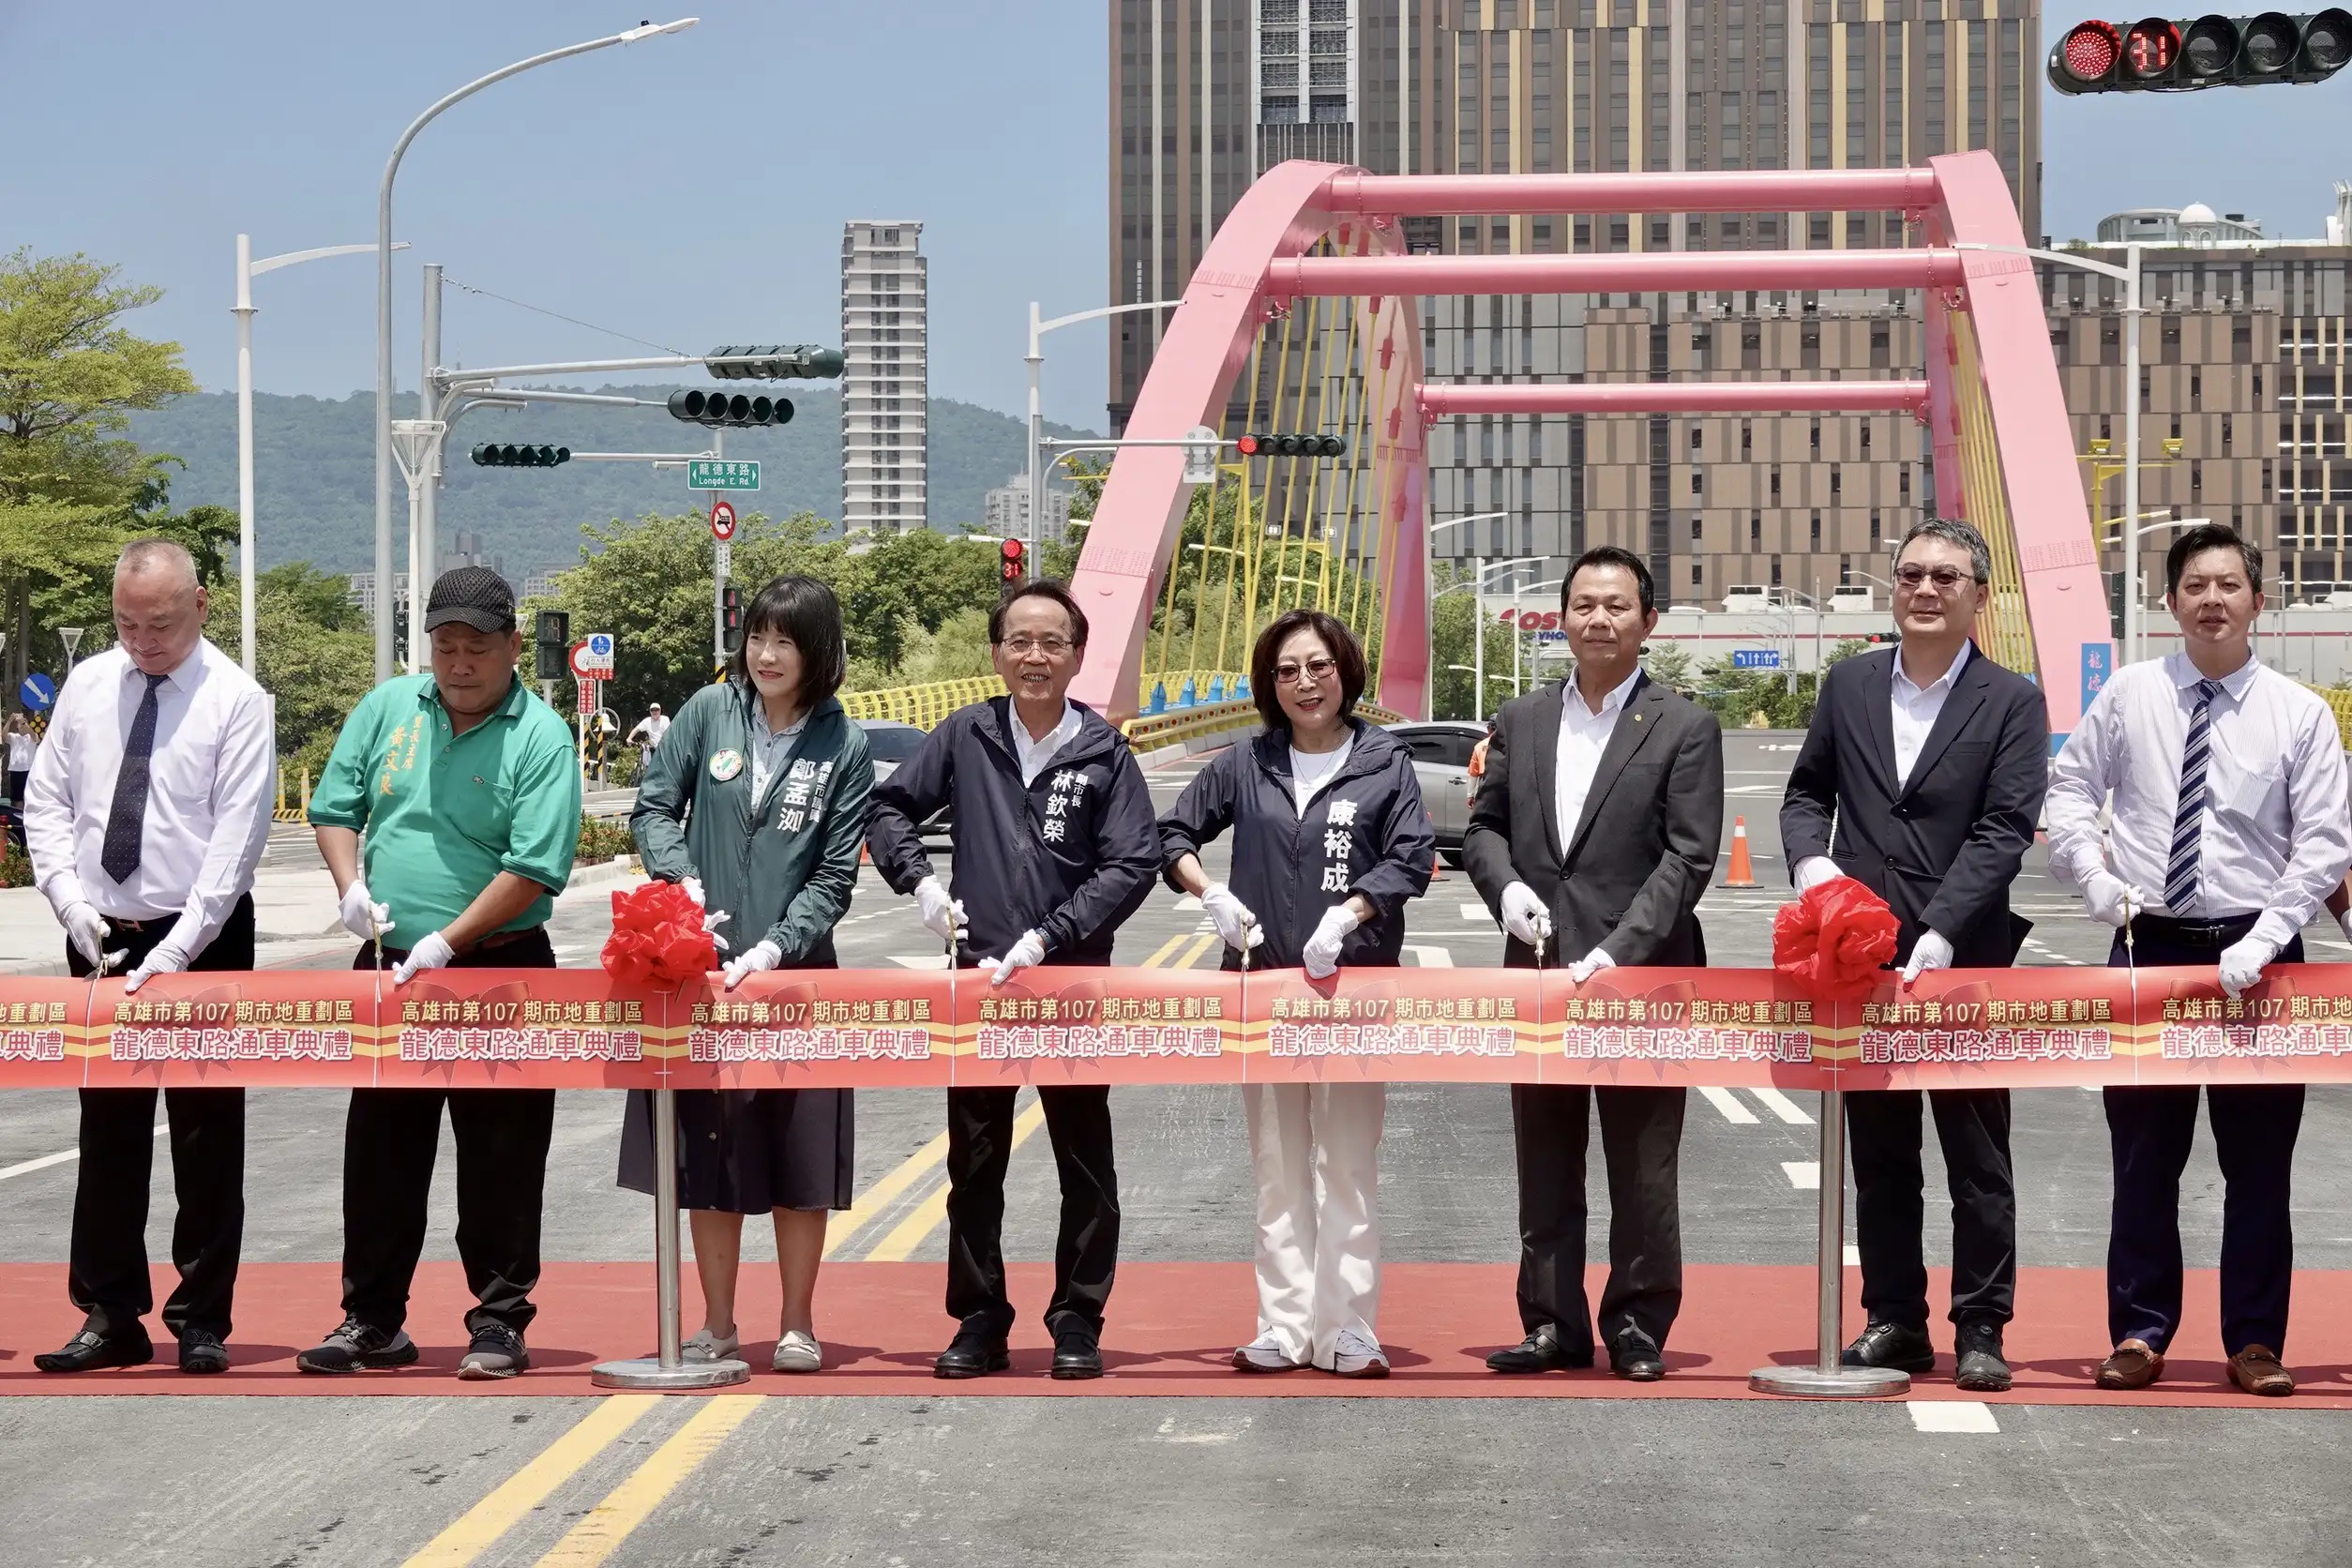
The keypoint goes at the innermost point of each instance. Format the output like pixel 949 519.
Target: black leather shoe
pixel 202 1353
pixel 1977 1348
pixel 1077 1354
pixel 1540 1352
pixel 1633 1356
pixel 89 1351
pixel 974 1352
pixel 1890 1345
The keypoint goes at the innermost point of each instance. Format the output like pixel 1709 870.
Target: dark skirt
pixel 748 1151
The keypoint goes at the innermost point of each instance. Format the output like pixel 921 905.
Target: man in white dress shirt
pixel 147 809
pixel 2229 832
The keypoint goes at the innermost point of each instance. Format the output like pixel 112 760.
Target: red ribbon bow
pixel 1834 940
pixel 658 939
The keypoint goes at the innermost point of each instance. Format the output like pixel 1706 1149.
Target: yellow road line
pixel 883 1194
pixel 1193 955
pixel 601 1534
pixel 487 1521
pixel 931 1213
pixel 1168 948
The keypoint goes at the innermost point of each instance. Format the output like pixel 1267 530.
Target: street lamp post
pixel 242 310
pixel 1035 359
pixel 1477 586
pixel 1478 610
pixel 384 312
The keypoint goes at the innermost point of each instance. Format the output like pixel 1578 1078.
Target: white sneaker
pixel 797 1353
pixel 1264 1354
pixel 706 1346
pixel 1355 1356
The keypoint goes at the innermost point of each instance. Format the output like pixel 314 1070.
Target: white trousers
pixel 1314 1148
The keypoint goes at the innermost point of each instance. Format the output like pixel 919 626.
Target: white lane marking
pixel 1804 1175
pixel 1852 1255
pixel 1951 1415
pixel 1783 1106
pixel 1188 903
pixel 929 961
pixel 1431 957
pixel 1477 915
pixel 28 1166
pixel 1733 1111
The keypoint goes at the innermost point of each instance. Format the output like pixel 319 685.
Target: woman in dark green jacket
pixel 756 802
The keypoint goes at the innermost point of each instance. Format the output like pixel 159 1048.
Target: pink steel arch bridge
pixel 1307 234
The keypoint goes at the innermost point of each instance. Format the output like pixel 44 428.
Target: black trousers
pixel 1086 1251
pixel 106 1273
pixel 1641 1140
pixel 390 1139
pixel 1883 1128
pixel 2151 1131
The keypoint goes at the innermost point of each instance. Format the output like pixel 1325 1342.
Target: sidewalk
pixel 293 916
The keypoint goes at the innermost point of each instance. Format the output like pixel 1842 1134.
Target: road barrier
pixel 905 1029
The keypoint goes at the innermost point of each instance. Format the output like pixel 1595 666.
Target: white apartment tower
pixel 885 388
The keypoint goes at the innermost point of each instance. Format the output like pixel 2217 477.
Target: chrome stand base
pixel 647 1372
pixel 1840 1382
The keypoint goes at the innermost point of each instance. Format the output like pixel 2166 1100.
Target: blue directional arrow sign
pixel 1756 658
pixel 38 691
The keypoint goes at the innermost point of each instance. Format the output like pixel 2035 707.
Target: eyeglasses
pixel 1052 647
pixel 1945 578
pixel 1316 669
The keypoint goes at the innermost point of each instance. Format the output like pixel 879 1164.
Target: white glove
pixel 1525 917
pixel 693 886
pixel 1930 952
pixel 433 952
pixel 1232 918
pixel 363 918
pixel 164 959
pixel 2241 963
pixel 757 962
pixel 1813 870
pixel 1027 953
pixel 1321 953
pixel 942 915
pixel 86 930
pixel 2110 900
pixel 1589 965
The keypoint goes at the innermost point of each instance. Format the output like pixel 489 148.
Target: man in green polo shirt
pixel 467 790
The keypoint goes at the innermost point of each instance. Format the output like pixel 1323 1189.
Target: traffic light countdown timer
pixel 2157 55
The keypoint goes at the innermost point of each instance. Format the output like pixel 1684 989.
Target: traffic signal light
pixel 731 613
pixel 775 362
pixel 1012 554
pixel 551 630
pixel 736 412
pixel 1264 446
pixel 492 455
pixel 2157 55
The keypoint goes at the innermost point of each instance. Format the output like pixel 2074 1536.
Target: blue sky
pixel 691 189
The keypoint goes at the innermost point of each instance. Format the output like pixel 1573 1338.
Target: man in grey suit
pixel 1595 832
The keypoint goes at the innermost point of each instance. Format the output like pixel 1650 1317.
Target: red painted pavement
pixel 1173 1327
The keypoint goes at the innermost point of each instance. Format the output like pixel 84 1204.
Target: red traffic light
pixel 1011 549
pixel 1009 569
pixel 2089 51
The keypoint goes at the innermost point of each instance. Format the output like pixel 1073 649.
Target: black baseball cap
pixel 476 596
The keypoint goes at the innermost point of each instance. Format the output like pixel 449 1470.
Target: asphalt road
pixel 366 1481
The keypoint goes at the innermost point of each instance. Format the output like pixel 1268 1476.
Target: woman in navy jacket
pixel 1329 839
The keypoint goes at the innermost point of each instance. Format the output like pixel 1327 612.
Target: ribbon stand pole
pixel 1826 1378
pixel 668 1370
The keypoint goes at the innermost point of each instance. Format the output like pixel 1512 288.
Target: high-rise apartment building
pixel 885 387
pixel 1207 94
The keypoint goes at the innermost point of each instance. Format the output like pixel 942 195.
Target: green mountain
pixel 314 467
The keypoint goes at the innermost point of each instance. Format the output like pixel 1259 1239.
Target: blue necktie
pixel 127 818
pixel 2188 818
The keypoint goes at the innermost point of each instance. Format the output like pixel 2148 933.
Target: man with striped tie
pixel 2228 831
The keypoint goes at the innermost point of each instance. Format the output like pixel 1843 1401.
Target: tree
pixel 1669 664
pixel 313 653
pixel 70 487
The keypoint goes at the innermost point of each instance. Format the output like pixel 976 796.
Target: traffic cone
pixel 1743 872
pixel 1437 868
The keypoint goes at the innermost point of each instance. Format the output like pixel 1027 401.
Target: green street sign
pixel 728 474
